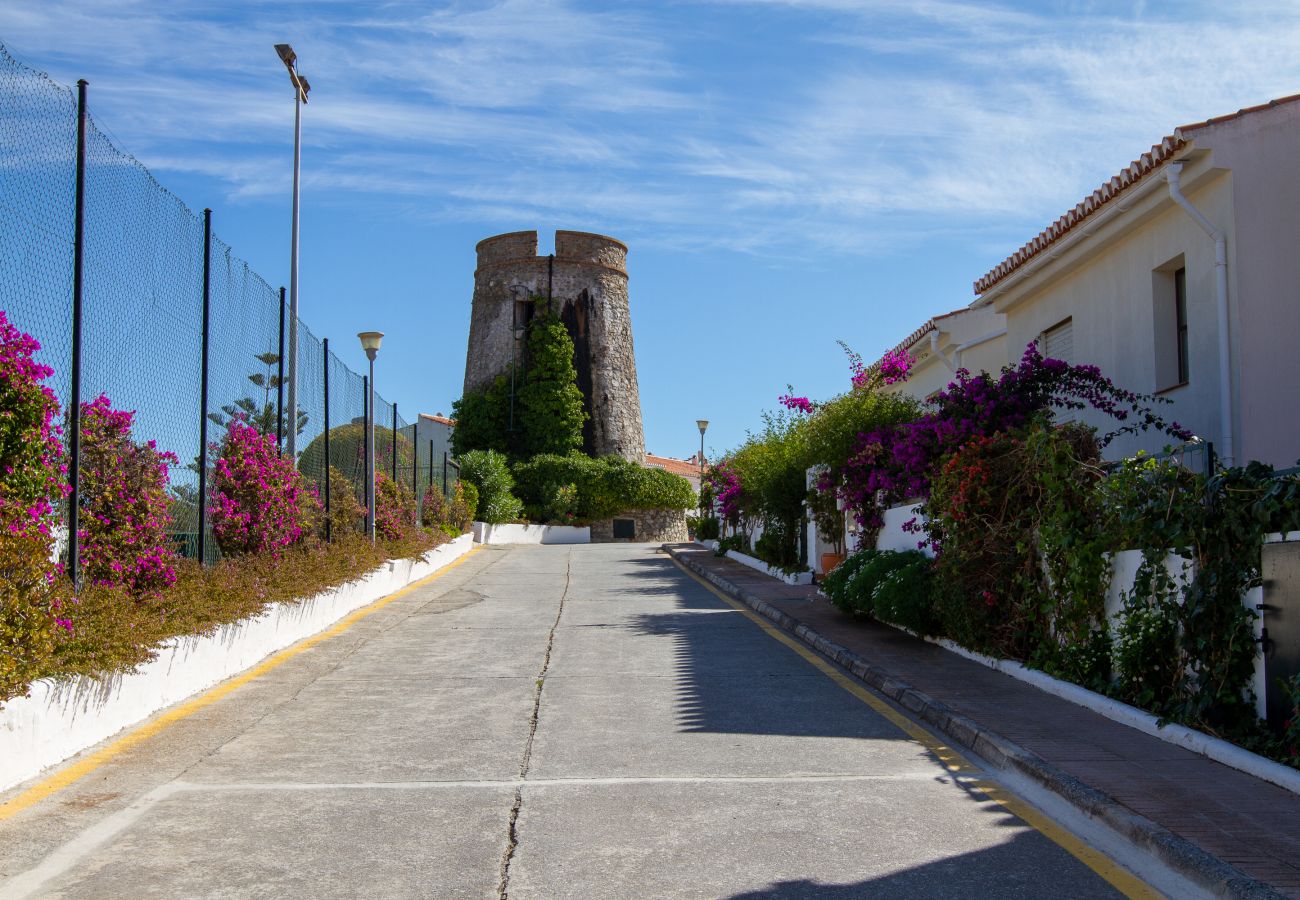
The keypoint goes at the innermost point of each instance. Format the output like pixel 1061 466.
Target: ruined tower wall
pixel 588 281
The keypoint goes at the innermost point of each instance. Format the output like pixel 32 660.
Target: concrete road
pixel 538 722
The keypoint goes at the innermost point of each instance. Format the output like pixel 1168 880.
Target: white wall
pixel 1244 175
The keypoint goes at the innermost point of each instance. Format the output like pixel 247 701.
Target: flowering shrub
pixel 31 466
pixel 896 366
pixel 260 503
pixel 725 484
pixel 394 508
pixel 124 504
pixel 899 461
pixel 801 404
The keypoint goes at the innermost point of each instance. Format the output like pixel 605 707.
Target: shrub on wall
pixel 464 505
pixel 553 486
pixel 31 484
pixel 490 474
pixel 346 514
pixel 124 504
pixel 260 502
pixel 1205 636
pixel 394 508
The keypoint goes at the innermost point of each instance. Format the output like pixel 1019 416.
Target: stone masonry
pixel 587 279
pixel 653 525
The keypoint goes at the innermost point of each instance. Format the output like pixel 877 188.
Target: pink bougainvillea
pixel 394 508
pixel 260 502
pixel 896 366
pixel 800 404
pixel 123 497
pixel 32 473
pixel 724 481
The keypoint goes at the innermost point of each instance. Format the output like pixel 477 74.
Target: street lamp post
pixel 300 91
pixel 704 425
pixel 370 341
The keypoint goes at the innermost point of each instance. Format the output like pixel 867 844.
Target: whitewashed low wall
pixel 510 533
pixel 755 563
pixel 61 718
pixel 892 536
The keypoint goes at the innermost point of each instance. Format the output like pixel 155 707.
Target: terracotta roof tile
pixel 684 467
pixel 1148 162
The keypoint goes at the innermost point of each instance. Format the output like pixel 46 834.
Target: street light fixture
pixel 300 91
pixel 370 341
pixel 703 425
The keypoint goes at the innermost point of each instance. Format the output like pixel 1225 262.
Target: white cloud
pixel 879 122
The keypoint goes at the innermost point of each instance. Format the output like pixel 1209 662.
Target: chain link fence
pixel 142 307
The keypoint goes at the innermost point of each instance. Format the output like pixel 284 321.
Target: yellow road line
pixel 1116 875
pixel 83 767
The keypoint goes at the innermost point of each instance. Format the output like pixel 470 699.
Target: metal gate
pixel 1281 613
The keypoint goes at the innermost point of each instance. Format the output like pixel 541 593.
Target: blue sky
pixel 786 172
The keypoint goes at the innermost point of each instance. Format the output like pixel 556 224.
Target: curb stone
pixel 1178 853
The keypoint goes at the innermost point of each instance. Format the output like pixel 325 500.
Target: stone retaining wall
pixel 657 525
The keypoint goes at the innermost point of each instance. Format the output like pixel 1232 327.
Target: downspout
pixel 975 342
pixel 1221 288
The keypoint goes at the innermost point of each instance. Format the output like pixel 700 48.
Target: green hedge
pixel 893 586
pixel 605 486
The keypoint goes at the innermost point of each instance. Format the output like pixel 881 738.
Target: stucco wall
pixel 1107 292
pixel 1244 175
pixel 934 371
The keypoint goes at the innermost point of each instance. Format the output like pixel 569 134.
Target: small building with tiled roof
pixel 1180 276
pixel 687 468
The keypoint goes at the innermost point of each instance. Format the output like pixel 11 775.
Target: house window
pixel 1169 318
pixel 1058 341
pixel 1180 319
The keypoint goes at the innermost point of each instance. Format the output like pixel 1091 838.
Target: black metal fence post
pixel 415 467
pixel 431 463
pixel 279 384
pixel 203 390
pixel 74 403
pixel 325 342
pixel 444 472
pixel 394 445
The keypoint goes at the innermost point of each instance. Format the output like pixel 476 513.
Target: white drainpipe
pixel 1221 286
pixel 934 348
pixel 975 342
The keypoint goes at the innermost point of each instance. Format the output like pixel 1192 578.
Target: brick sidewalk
pixel 1250 824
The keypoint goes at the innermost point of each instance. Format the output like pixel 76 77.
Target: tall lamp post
pixel 370 341
pixel 704 426
pixel 300 90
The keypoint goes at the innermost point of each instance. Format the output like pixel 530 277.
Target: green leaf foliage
pixel 489 472
pixel 605 486
pixel 483 419
pixel 551 413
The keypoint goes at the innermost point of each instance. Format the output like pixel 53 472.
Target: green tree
pixel 550 402
pixel 261 415
pixel 483 419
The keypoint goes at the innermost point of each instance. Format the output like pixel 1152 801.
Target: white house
pixel 972 338
pixel 1180 276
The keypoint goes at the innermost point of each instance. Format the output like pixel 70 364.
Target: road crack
pixel 512 834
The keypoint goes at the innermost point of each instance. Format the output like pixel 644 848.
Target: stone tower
pixel 587 279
